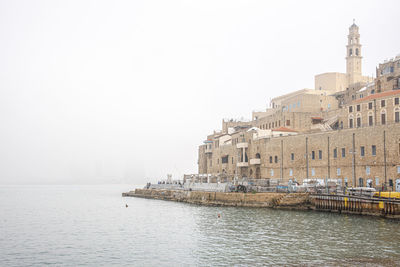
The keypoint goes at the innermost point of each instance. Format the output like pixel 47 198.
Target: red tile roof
pixel 283 129
pixel 316 118
pixel 378 95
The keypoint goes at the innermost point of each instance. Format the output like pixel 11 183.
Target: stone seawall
pixel 281 200
pixel 387 208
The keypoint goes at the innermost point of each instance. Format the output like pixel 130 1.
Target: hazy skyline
pixel 125 91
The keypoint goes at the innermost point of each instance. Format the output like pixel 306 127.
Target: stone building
pixel 388 75
pixel 347 132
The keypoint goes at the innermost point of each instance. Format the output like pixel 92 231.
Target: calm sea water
pixel 90 226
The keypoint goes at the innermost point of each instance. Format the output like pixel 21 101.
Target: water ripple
pixel 90 226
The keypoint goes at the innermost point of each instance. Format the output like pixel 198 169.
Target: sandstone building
pixel 346 129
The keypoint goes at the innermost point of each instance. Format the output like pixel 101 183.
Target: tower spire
pixel 353 58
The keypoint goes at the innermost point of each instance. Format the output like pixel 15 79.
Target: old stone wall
pixel 300 200
pixel 286 157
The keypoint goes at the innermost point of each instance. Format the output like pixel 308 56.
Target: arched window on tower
pixel 351 52
pixel 356 51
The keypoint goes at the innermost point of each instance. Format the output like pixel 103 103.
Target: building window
pixel 383 103
pixel 350 109
pixel 225 159
pixel 270 159
pixel 383 118
pixel 290 172
pixel 319 154
pixel 312 154
pixel 287 122
pixel 232 160
pixel 272 172
pixel 358 107
pixel 398 169
pixel 359 122
pixel 350 123
pixel 312 172
pixel 362 151
pixel 373 150
pixel 396 101
pixel 356 51
pixel 335 153
pixel 292 156
pixel 376 180
pixel 397 115
pixel 343 152
pixel 338 172
pixel 367 170
pixel 370 120
pixel 276 159
pixel 370 105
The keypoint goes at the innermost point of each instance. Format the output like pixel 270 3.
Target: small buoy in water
pixel 219 215
pixel 126 205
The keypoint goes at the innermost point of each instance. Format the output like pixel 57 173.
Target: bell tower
pixel 353 58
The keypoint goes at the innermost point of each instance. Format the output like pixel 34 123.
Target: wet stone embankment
pixel 387 208
pixel 282 200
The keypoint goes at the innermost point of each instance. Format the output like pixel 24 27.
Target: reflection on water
pixel 90 225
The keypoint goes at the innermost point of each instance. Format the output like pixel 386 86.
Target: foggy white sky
pixel 125 91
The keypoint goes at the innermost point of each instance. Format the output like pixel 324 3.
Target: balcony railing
pixel 255 161
pixel 242 145
pixel 242 164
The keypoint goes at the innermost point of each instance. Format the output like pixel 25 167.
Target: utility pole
pixel 354 160
pixel 375 118
pixel 282 160
pixel 329 164
pixel 384 154
pixel 307 155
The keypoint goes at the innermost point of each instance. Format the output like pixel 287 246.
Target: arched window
pixel 383 116
pixel 370 118
pixel 258 156
pixel 351 120
pixel 358 120
pixel 397 115
pixel 356 51
pixel 350 52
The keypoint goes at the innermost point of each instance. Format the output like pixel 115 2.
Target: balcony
pixel 242 164
pixel 242 145
pixel 208 150
pixel 255 161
